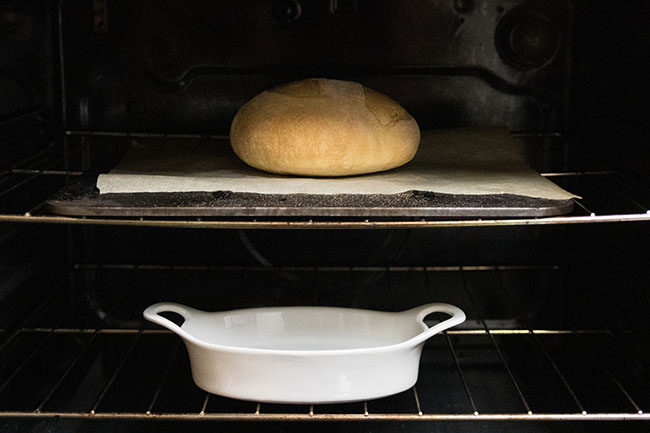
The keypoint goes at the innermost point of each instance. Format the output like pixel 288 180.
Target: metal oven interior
pixel 557 328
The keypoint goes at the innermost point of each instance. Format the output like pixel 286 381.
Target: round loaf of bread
pixel 320 127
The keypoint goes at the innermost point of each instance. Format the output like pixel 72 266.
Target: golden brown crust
pixel 321 127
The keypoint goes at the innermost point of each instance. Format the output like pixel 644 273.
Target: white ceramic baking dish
pixel 304 354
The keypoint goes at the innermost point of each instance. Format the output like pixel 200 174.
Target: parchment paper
pixel 462 161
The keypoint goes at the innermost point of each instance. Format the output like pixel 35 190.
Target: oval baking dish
pixel 304 354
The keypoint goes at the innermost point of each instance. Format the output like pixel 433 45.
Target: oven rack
pixel 607 195
pixel 490 369
pixel 411 405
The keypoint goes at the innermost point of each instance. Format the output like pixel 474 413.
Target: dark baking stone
pixel 82 198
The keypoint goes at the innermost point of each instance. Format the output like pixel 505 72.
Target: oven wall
pixel 31 256
pixel 29 79
pixel 610 96
pixel 174 66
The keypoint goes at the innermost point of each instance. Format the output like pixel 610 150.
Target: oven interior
pixel 557 332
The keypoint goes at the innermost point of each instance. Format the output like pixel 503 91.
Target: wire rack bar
pixel 17 185
pixel 602 365
pixel 34 209
pixel 538 134
pixel 45 172
pixel 37 174
pixel 563 379
pixel 543 349
pixel 115 374
pixel 496 345
pixel 205 404
pixel 24 114
pixel 74 362
pixel 610 375
pixel 37 311
pixel 31 355
pixel 594 180
pixel 332 417
pixel 461 374
pixel 67 372
pixel 586 210
pixel 577 173
pixel 275 269
pixel 168 369
pixel 417 401
pixel 638 365
pixel 80 133
pixel 633 180
pixel 29 159
pixel 310 224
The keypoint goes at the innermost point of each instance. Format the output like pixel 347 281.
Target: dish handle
pixel 152 315
pixel 419 313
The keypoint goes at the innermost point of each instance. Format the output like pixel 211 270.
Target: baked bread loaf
pixel 321 127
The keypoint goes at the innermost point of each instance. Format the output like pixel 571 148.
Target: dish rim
pixel 418 313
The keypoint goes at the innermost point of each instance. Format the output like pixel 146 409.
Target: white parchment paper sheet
pixel 461 161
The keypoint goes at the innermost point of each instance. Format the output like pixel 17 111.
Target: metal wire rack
pixel 501 365
pixel 607 195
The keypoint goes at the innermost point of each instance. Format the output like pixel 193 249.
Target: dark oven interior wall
pixel 607 268
pixel 604 265
pixel 439 247
pixel 29 78
pixel 175 66
pixel 610 97
pixel 32 257
pixel 33 264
